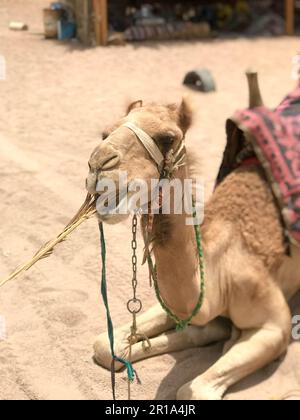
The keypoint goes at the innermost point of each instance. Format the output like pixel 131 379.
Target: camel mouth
pixel 113 207
pixel 118 200
pixel 111 219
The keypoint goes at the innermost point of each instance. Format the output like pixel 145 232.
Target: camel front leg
pixel 151 323
pixel 156 325
pixel 172 341
pixel 255 348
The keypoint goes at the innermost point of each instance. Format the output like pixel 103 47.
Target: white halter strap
pixel 173 160
pixel 148 143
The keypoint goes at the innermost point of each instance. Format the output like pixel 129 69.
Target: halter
pixel 166 165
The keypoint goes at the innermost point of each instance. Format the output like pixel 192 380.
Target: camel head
pixel 122 152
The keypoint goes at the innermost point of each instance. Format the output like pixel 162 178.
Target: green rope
pixel 182 323
pixel 130 371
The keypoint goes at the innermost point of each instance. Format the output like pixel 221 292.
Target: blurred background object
pixel 101 22
pixel 59 21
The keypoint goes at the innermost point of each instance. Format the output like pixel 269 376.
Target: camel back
pixel 274 139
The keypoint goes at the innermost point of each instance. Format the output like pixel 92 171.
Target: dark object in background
pixel 201 80
pixel 180 30
pixel 117 15
pixel 51 19
pixel 66 30
pixel 59 22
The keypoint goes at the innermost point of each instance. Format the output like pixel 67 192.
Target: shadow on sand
pixel 75 45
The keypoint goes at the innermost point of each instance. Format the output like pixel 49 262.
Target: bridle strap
pixel 148 143
pixel 169 163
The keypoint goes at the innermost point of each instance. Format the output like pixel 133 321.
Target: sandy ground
pixel 56 100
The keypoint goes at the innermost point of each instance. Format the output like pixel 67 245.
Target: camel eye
pixel 166 140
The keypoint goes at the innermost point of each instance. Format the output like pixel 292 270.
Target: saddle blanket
pixel 274 136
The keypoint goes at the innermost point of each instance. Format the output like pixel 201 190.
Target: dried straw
pixel 87 210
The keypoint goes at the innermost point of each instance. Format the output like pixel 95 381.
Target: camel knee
pixel 102 351
pixel 280 334
pixel 279 341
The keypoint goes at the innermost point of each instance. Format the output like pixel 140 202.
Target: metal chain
pixel 134 305
pixel 134 257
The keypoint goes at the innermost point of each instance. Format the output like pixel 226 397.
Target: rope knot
pixel 181 325
pixel 130 371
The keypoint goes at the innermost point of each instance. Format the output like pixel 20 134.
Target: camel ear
pixel 134 105
pixel 185 113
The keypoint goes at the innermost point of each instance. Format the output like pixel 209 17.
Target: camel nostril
pixel 110 162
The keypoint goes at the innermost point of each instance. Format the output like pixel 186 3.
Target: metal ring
pixel 137 302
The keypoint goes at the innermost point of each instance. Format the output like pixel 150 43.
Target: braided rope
pixel 128 365
pixel 182 323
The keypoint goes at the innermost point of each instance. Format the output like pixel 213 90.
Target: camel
pixel 249 278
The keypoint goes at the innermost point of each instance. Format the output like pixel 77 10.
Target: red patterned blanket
pixel 274 137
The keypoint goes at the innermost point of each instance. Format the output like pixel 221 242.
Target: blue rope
pixel 130 371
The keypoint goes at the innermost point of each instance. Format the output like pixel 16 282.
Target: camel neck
pixel 177 262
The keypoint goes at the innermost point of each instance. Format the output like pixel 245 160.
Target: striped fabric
pixel 275 137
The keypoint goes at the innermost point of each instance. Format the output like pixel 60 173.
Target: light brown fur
pixel 248 277
pixel 245 199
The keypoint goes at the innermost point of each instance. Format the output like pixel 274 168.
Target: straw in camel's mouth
pixel 86 211
pixel 113 204
pixel 119 204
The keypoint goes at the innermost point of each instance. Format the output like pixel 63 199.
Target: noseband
pixel 168 164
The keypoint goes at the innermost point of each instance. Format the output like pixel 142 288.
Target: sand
pixel 56 101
